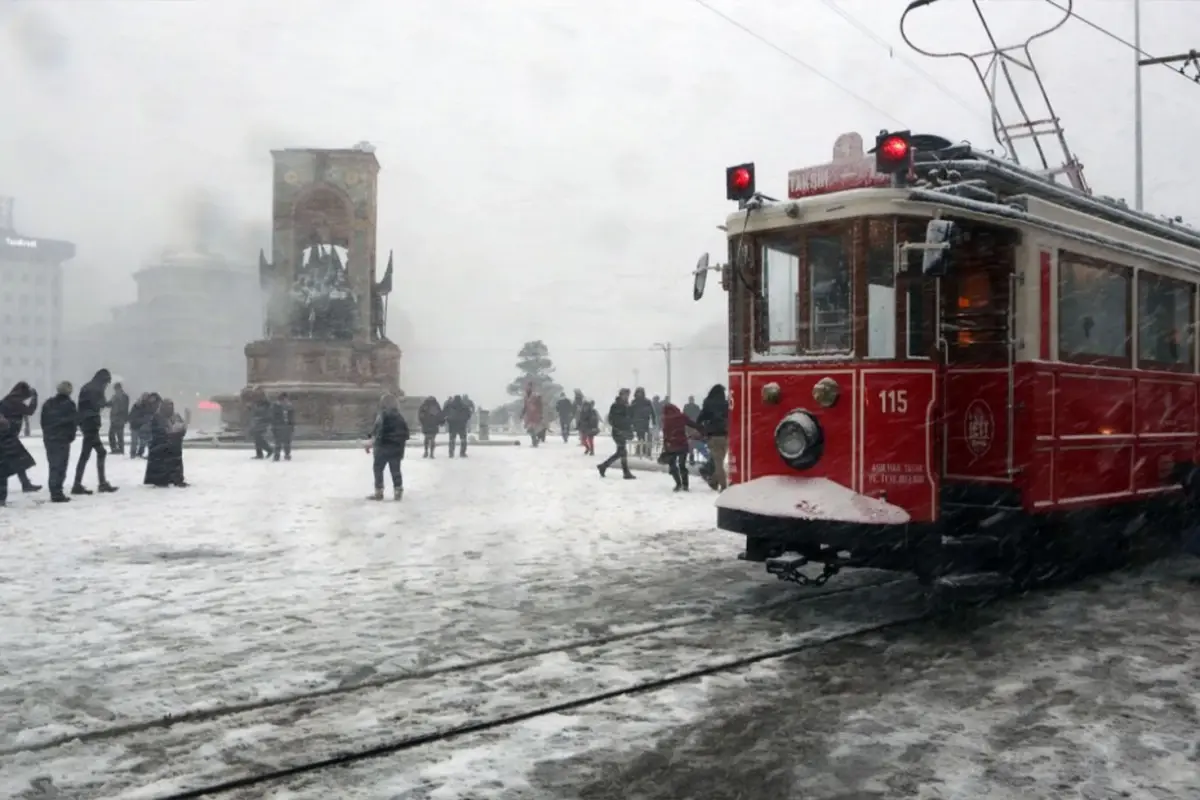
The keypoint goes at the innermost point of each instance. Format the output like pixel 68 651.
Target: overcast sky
pixel 551 168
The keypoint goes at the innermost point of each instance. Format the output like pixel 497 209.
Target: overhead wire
pixel 795 59
pixel 864 29
pixel 1106 32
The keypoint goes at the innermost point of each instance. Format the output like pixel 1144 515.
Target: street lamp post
pixel 666 349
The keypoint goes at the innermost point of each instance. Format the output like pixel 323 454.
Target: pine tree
pixel 535 366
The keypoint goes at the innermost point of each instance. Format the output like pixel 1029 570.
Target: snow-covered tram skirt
pixel 795 497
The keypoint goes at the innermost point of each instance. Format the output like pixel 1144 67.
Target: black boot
pixel 59 497
pixel 79 488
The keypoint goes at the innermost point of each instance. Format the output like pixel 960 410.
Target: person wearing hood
pixel 641 418
pixel 92 402
pixel 60 422
pixel 18 407
pixel 260 423
pixel 676 446
pixel 589 426
pixel 118 417
pixel 283 424
pixel 566 412
pixel 430 417
pixel 619 421
pixel 389 438
pixel 15 408
pixel 164 460
pixel 714 422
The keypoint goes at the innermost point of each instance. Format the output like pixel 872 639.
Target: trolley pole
pixel 1139 181
pixel 666 349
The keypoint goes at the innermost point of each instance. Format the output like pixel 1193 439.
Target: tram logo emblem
pixel 980 427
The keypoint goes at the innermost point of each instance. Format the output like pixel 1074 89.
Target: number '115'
pixel 893 401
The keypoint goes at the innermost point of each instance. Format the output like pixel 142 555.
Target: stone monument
pixel 324 340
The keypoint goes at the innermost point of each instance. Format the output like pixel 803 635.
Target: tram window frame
pixel 1068 259
pixel 794 241
pixel 1148 279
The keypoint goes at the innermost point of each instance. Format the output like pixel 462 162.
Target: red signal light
pixel 894 148
pixel 739 182
pixel 741 179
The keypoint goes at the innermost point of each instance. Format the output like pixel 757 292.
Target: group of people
pixel 275 416
pixel 156 430
pixel 709 422
pixel 455 414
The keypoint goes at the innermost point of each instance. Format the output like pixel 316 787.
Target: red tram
pixel 942 362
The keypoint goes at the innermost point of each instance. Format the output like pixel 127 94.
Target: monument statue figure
pixel 379 294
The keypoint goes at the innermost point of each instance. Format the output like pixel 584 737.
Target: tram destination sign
pixel 851 168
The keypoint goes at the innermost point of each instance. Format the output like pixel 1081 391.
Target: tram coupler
pixel 788 567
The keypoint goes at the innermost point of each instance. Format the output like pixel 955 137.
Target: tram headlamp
pixel 799 439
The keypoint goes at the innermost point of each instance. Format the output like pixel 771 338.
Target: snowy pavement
pixel 276 589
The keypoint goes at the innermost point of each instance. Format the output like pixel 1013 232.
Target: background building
pixel 184 336
pixel 30 305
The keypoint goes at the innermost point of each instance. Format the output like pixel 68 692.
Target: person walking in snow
pixel 164 459
pixel 692 412
pixel 92 402
pixel 566 412
pixel 675 444
pixel 260 423
pixel 714 421
pixel 430 417
pixel 283 425
pixel 589 426
pixel 456 413
pixel 641 418
pixel 620 422
pixel 389 438
pixel 118 416
pixel 18 407
pixel 532 415
pixel 139 425
pixel 60 422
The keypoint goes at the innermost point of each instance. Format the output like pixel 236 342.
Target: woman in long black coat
pixel 164 459
pixel 17 406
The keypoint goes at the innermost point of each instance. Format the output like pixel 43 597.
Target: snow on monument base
pixel 794 497
pixel 334 385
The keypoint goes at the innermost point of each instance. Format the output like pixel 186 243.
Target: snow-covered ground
pixel 156 641
pixel 266 582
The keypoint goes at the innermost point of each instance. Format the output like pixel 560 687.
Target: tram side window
pixel 781 302
pixel 830 327
pixel 1093 310
pixel 1165 321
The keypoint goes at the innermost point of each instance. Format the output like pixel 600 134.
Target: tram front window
pixel 805 301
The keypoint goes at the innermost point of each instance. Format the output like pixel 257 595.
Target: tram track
pixel 386 679
pixel 269 744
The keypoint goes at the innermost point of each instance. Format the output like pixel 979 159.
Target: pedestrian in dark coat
pixel 431 418
pixel 589 426
pixel 260 423
pixel 457 415
pixel 283 425
pixel 675 426
pixel 92 402
pixel 621 424
pixel 60 421
pixel 692 412
pixel 118 417
pixel 641 419
pixel 137 419
pixel 17 407
pixel 566 413
pixel 714 422
pixel 389 438
pixel 164 460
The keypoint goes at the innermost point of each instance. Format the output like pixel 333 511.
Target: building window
pixel 1166 314
pixel 1094 311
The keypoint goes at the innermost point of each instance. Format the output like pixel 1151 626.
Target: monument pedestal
pixel 334 386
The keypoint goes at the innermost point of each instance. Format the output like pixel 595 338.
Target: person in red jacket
pixel 675 426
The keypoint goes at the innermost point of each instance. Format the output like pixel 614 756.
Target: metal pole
pixel 1138 197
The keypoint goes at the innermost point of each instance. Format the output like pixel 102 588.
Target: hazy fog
pixel 551 169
